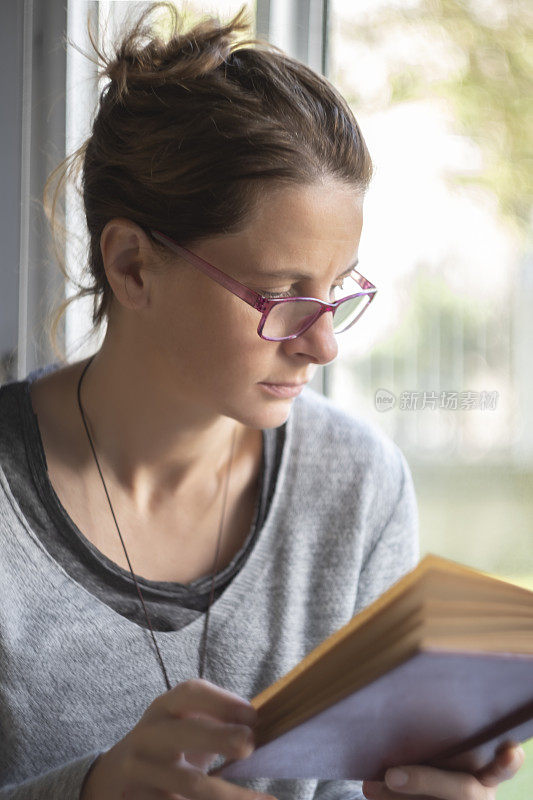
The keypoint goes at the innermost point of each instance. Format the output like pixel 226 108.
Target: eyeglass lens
pixel 292 317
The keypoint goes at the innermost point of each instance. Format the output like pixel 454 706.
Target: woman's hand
pixel 168 751
pixel 428 783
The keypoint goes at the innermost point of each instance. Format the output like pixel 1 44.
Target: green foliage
pixel 490 88
pixel 435 321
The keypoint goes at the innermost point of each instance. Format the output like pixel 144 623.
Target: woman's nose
pixel 318 341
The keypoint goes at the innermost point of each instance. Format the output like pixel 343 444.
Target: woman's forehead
pixel 307 208
pixel 289 235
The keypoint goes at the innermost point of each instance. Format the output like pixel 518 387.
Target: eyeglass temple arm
pixel 254 299
pixel 248 295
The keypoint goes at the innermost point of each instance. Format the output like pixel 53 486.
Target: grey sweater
pixel 335 526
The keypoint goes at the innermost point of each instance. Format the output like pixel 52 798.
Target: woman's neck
pixel 150 442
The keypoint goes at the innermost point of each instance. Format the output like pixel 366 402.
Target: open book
pixel 438 671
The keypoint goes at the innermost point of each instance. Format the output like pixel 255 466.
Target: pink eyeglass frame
pixel 258 301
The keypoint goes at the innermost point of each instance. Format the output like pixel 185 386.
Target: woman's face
pixel 205 338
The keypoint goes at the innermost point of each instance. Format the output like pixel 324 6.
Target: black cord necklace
pixel 203 646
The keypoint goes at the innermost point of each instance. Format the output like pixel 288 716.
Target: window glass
pixel 442 361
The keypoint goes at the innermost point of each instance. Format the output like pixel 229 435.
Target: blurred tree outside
pixel 474 59
pixel 491 89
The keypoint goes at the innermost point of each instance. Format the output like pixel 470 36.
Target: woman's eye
pixel 274 295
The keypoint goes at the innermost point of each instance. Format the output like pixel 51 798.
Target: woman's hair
pixel 187 132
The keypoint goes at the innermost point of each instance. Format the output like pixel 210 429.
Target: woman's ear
pixel 126 251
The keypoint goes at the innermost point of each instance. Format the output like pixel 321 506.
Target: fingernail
pixel 396 778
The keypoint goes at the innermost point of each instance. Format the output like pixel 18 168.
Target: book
pixel 436 671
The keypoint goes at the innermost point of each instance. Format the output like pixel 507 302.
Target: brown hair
pixel 188 129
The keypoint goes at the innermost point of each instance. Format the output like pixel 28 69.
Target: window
pixel 442 363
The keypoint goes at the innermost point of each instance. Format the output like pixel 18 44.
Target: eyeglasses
pixel 285 317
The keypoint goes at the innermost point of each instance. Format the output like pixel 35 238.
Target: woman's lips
pixel 283 389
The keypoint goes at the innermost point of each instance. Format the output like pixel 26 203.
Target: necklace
pixel 203 645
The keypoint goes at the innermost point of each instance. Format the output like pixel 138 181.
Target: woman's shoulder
pixel 350 468
pixel 325 428
pixel 16 411
pixel 15 384
pixel 14 387
pixel 11 401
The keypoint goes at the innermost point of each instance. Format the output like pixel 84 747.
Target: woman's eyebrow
pixel 303 275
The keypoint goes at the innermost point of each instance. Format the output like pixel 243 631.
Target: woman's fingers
pixel 429 782
pixel 199 695
pixel 196 719
pixel 164 741
pixel 505 765
pixel 193 784
pixel 378 790
pixel 142 793
pixel 444 785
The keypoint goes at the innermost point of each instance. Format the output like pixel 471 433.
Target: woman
pixel 170 509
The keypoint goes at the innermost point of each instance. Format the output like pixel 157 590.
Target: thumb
pixel 504 766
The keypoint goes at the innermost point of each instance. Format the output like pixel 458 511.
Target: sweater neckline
pixel 243 583
pixel 57 512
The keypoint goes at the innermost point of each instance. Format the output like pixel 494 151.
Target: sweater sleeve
pixel 65 782
pixel 394 552
pixel 396 548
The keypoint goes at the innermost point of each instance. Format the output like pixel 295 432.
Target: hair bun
pixel 141 59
